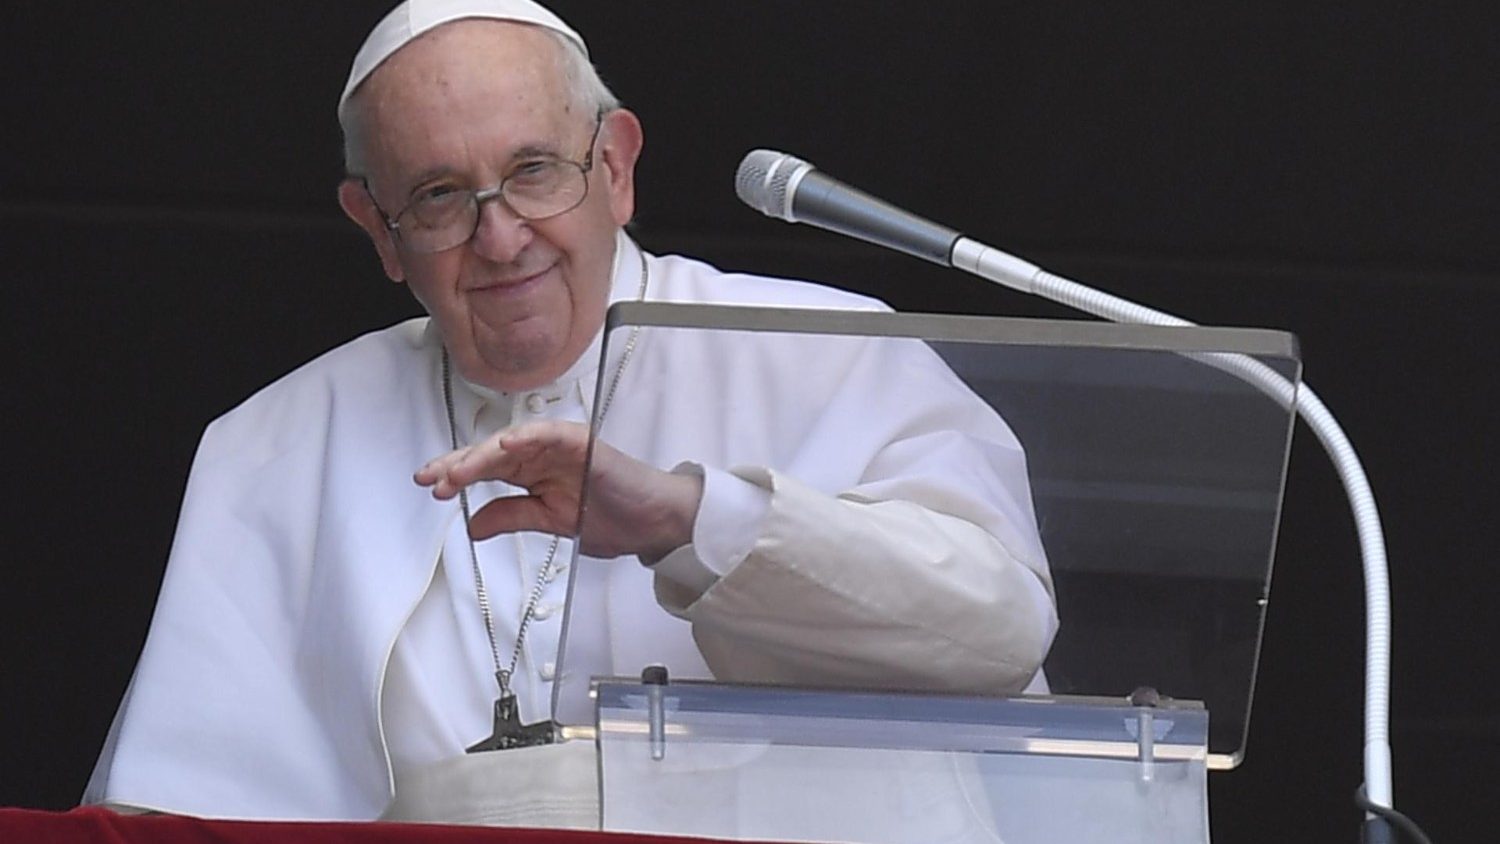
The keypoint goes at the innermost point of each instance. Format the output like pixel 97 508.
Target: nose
pixel 499 235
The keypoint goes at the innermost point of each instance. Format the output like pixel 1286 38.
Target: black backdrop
pixel 171 242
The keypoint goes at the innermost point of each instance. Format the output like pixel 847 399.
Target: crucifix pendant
pixel 510 732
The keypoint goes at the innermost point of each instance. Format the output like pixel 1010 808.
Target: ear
pixel 356 201
pixel 620 147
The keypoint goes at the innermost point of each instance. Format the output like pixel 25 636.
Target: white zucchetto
pixel 414 17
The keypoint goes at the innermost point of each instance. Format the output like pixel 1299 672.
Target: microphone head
pixel 766 179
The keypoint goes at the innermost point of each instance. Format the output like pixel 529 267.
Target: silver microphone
pixel 786 187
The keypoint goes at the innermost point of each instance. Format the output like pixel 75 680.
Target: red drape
pixel 101 826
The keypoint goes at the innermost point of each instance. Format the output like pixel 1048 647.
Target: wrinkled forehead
pixel 482 56
pixel 470 94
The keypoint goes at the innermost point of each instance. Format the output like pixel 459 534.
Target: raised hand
pixel 634 508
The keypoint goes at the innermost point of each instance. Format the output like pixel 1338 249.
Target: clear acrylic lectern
pixel 1156 459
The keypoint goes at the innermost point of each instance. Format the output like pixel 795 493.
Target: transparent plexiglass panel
pixel 1146 464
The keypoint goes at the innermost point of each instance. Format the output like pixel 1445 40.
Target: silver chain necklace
pixel 509 732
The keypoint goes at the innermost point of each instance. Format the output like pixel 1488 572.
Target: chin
pixel 524 363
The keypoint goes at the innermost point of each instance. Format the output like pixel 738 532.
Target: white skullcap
pixel 415 17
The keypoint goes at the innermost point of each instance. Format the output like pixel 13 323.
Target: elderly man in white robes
pixel 337 623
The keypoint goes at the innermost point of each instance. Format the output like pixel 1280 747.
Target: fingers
pixel 523 456
pixel 436 469
pixel 568 440
pixel 447 474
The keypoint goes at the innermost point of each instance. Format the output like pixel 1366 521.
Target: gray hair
pixel 586 91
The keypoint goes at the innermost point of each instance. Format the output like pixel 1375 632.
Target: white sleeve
pixel 840 590
pixel 728 521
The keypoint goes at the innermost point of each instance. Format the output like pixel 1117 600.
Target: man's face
pixel 459 107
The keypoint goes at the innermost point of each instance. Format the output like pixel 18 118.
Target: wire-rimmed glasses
pixel 443 215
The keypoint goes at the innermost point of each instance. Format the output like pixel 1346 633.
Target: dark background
pixel 171 242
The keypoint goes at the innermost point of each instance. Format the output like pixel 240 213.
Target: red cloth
pixel 101 826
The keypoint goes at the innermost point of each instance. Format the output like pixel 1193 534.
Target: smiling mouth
pixel 511 285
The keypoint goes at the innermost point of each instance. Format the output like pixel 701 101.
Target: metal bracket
pixel 1145 699
pixel 654 678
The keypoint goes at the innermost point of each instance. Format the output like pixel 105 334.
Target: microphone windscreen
pixel 763 178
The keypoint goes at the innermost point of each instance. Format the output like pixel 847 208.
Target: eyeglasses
pixel 443 216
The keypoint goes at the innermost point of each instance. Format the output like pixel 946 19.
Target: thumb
pixel 516 513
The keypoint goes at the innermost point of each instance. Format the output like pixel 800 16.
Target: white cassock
pixel 318 638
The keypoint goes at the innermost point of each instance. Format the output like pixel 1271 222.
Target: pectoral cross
pixel 511 733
